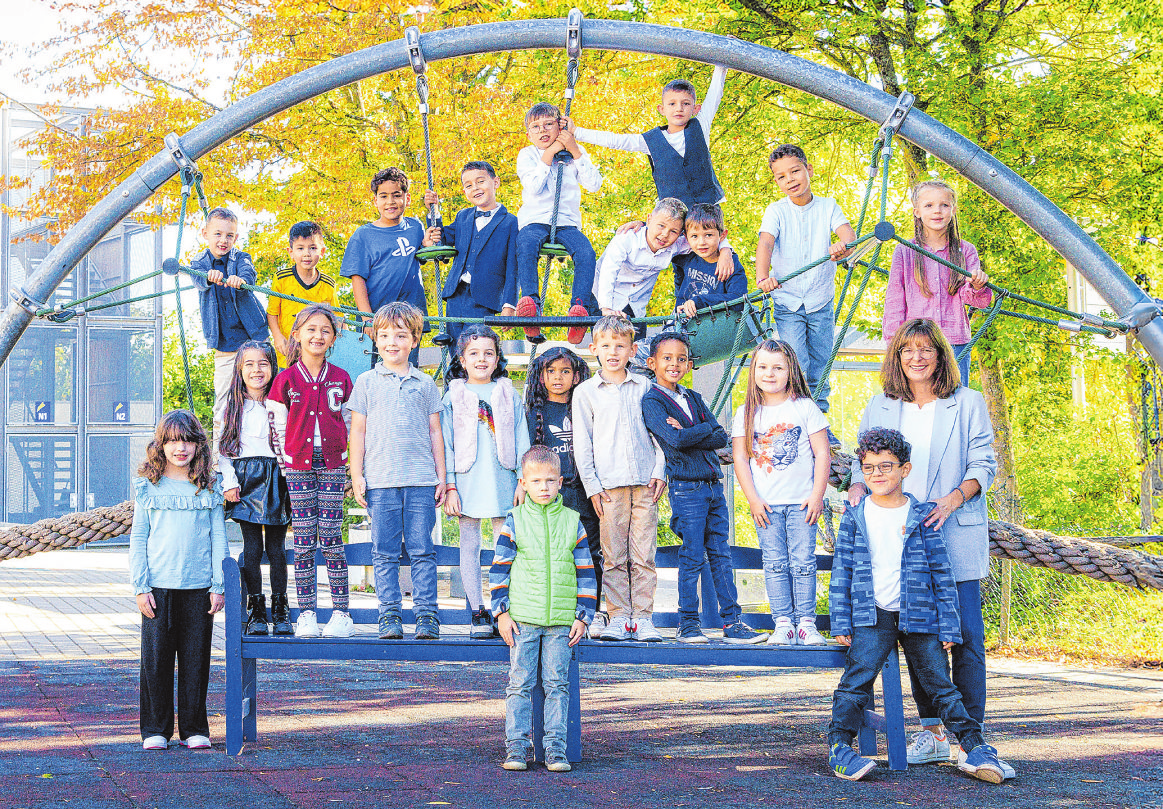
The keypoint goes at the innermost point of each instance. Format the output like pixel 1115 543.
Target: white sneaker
pixel 808 635
pixel 196 742
pixel 307 626
pixel 926 748
pixel 340 625
pixel 155 743
pixel 617 630
pixel 960 756
pixel 598 625
pixel 784 634
pixel 646 630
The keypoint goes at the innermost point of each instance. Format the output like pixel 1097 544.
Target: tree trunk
pixel 1005 487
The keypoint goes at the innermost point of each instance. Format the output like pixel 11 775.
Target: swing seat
pixel 712 335
pixel 353 351
pixel 437 252
pixel 553 250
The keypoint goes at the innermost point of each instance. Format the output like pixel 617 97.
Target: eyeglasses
pixel 537 129
pixel 926 353
pixel 882 468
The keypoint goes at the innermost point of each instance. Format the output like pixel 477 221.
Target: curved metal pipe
pixel 968 159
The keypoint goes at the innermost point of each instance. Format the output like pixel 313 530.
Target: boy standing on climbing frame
pixel 380 258
pixel 302 280
pixel 796 231
pixel 553 161
pixel 230 315
pixel 680 152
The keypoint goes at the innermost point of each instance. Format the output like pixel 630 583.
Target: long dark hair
pixel 230 441
pixel 536 394
pixel 179 425
pixel 294 350
pixel 456 369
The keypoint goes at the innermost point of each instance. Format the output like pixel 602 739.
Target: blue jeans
pixel 789 563
pixel 968 660
pixel 871 646
pixel 529 241
pixel 403 515
pixel 964 364
pixel 810 335
pixel 549 646
pixel 699 518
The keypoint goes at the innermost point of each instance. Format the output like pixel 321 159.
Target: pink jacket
pixel 904 299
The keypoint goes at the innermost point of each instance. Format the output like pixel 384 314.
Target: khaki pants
pixel 629 538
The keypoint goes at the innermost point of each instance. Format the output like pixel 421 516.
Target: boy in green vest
pixel 544 594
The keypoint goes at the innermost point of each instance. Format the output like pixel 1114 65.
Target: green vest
pixel 543 579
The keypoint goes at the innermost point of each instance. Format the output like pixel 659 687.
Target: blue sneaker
pixel 739 632
pixel 391 626
pixel 981 762
pixel 846 764
pixel 691 632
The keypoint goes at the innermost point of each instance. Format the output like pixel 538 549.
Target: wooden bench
pixel 244 651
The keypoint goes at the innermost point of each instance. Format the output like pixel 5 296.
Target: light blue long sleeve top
pixel 178 538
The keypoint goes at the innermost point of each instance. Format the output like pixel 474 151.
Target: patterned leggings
pixel 317 518
pixel 470 558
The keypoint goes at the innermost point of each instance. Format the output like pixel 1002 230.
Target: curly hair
pixel 536 394
pixel 230 442
pixel 179 425
pixel 456 369
pixel 294 350
pixel 882 439
pixel 660 338
pixel 389 175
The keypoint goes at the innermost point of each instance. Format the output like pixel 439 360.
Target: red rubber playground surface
pixel 403 735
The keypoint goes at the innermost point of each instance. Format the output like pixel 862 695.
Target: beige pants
pixel 629 539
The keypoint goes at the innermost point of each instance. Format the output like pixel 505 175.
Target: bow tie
pixel 483 214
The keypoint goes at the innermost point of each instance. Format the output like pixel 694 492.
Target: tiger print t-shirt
pixel 783 466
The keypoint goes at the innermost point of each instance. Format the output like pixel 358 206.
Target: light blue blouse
pixel 178 538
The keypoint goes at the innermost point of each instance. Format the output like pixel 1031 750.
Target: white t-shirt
pixel 783 467
pixel 886 541
pixel 917 428
pixel 803 234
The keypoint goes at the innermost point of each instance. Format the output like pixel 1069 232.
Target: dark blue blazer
pixel 490 255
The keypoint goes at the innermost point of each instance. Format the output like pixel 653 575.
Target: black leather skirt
pixel 262 496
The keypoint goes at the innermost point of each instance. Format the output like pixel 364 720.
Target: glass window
pixel 27 249
pixel 42 477
pixel 143 259
pixel 42 377
pixel 121 376
pixel 113 461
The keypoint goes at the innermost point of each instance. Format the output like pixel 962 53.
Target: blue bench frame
pixel 244 651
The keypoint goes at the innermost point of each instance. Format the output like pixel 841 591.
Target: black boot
pixel 256 619
pixel 282 614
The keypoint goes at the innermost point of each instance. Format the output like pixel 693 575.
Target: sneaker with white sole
pixel 307 626
pixel 646 631
pixel 808 635
pixel 846 763
pixel 196 742
pixel 784 633
pixel 617 629
pixel 740 632
pixel 927 748
pixel 691 632
pixel 557 762
pixel 340 625
pixel 981 762
pixel 1007 772
pixel 598 625
pixel 155 743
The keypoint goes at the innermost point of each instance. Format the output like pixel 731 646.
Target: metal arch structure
pixel 968 159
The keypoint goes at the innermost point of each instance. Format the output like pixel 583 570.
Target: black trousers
pixel 181 628
pixel 252 548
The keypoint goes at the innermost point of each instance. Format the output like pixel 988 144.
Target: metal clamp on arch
pixel 21 298
pixel 187 169
pixel 419 65
pixel 573 51
pixel 892 124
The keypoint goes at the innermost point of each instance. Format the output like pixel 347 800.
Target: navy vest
pixel 690 178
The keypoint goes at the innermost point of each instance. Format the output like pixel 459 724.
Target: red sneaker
pixel 527 307
pixel 577 333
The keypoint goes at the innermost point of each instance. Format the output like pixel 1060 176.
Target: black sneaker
pixel 391 627
pixel 427 628
pixel 482 625
pixel 691 632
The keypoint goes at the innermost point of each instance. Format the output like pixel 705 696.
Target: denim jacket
pixel 928 592
pixel 249 311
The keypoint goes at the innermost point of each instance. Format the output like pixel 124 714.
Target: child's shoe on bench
pixel 784 634
pixel 646 631
pixel 340 625
pixel 598 625
pixel 427 627
pixel 482 625
pixel 691 632
pixel 740 632
pixel 307 626
pixel 808 635
pixel 391 626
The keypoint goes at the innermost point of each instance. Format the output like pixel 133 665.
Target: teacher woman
pixel 948 428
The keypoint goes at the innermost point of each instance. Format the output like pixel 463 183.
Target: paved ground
pixel 394 735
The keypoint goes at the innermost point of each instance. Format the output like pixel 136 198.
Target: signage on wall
pixel 42 411
pixel 121 411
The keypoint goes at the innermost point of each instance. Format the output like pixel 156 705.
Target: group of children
pixel 570 476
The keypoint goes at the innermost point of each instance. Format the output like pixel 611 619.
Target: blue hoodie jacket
pixel 240 304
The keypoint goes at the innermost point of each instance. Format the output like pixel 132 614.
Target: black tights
pixel 252 548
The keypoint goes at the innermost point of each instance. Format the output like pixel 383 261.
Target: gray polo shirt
pixel 398 446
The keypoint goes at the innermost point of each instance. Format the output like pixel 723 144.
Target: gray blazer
pixel 962 448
